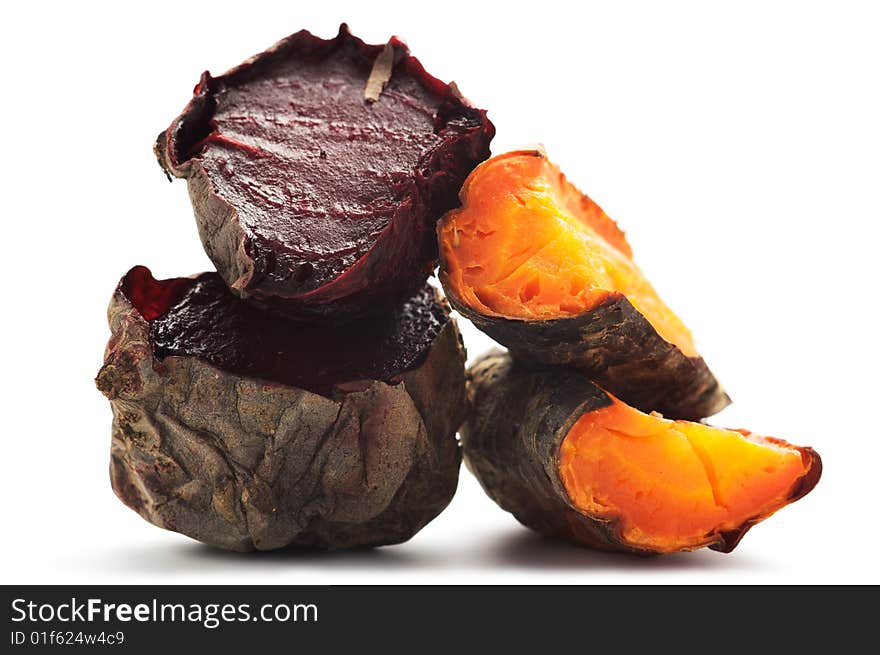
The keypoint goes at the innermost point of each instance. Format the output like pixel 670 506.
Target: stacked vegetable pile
pixel 309 391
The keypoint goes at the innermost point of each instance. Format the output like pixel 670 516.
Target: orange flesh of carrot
pixel 527 244
pixel 672 485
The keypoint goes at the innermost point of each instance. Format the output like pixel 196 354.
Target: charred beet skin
pixel 248 431
pixel 317 171
pixel 539 267
pixel 569 460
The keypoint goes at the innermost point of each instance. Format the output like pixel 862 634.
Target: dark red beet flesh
pixel 334 197
pixel 199 317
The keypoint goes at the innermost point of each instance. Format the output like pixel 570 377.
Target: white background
pixel 738 144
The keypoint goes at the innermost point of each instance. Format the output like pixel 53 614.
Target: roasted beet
pixel 249 431
pixel 542 269
pixel 317 171
pixel 570 460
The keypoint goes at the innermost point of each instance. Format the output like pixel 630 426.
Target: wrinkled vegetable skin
pixel 518 421
pixel 242 464
pixel 618 348
pixel 511 441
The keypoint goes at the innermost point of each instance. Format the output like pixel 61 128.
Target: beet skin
pixel 343 458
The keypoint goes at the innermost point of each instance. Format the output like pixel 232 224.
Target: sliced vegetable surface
pixel 318 168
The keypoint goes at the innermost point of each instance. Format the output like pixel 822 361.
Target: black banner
pixel 406 619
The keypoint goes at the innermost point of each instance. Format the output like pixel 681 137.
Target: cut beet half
pixel 318 169
pixel 247 431
pixel 543 270
pixel 570 460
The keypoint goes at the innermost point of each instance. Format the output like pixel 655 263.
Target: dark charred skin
pixel 615 346
pixel 310 199
pixel 246 464
pixel 511 441
pixel 519 418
